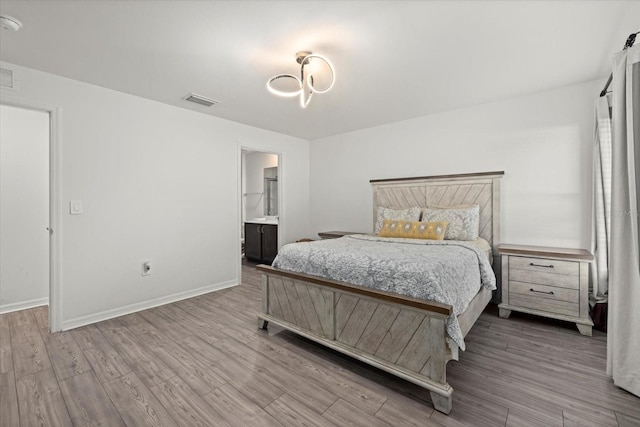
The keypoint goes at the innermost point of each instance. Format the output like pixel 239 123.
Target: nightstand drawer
pixel 552 266
pixel 554 306
pixel 545 292
pixel 543 277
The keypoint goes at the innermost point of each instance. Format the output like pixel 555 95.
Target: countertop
pixel 263 221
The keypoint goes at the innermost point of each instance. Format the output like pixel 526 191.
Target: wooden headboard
pixel 445 190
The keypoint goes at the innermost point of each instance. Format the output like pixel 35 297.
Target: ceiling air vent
pixel 6 78
pixel 199 99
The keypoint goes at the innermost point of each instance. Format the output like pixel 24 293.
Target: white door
pixel 24 208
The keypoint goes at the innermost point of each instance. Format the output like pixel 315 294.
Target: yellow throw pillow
pixel 413 229
pixel 391 228
pixel 433 230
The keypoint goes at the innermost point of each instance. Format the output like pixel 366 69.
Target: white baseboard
pixel 132 308
pixel 8 308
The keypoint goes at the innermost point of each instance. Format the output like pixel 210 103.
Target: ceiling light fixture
pixel 304 84
pixel 10 23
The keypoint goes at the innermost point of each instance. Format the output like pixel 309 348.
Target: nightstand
pixel 335 234
pixel 551 282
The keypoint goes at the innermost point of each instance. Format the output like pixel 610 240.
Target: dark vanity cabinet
pixel 260 242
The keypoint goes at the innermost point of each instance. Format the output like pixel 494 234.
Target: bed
pixel 406 335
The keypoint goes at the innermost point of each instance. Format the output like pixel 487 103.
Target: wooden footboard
pixel 401 335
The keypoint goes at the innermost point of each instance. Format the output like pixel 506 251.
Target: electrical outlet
pixel 146 268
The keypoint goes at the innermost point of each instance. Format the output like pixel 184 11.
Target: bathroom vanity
pixel 261 240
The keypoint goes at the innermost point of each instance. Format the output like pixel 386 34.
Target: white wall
pixel 24 208
pixel 158 183
pixel 543 143
pixel 254 164
pixel 161 183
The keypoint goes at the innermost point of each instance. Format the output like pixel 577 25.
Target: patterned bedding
pixel 446 271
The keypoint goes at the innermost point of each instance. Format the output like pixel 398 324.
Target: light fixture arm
pixel 305 84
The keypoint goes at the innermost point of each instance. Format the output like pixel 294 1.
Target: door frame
pixel 55 224
pixel 242 147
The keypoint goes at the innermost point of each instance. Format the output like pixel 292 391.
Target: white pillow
pixel 410 214
pixel 464 221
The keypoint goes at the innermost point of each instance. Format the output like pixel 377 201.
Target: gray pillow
pixel 464 221
pixel 398 214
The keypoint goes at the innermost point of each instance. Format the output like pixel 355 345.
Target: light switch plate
pixel 75 207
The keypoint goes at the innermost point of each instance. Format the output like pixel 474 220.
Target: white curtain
pixel 623 339
pixel 602 201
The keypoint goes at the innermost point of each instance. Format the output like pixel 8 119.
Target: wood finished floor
pixel 203 362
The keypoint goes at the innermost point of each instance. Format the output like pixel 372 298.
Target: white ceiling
pixel 394 60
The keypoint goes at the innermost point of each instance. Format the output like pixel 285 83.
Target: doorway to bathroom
pixel 260 205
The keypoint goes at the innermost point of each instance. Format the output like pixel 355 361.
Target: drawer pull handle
pixel 540 265
pixel 541 292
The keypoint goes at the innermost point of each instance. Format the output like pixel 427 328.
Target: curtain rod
pixel 630 40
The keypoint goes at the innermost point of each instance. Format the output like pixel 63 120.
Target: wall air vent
pixel 6 78
pixel 202 100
